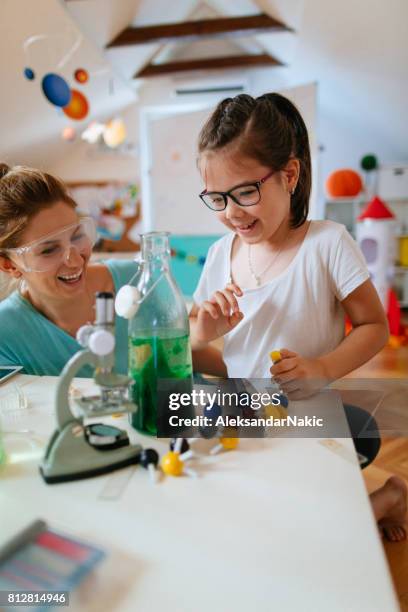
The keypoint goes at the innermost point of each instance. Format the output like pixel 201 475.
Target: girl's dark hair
pixel 269 129
pixel 23 193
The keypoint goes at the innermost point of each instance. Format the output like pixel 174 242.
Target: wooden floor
pixel 392 459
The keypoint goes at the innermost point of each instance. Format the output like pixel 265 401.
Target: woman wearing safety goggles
pixel 46 245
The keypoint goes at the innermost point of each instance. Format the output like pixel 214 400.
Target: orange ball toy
pixel 344 183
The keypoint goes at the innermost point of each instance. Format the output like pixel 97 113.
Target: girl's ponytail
pixel 4 169
pixel 301 150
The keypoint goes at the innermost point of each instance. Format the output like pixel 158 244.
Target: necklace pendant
pixel 256 278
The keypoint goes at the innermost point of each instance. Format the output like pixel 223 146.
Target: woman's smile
pixel 73 278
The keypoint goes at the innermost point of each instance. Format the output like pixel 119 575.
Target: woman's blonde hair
pixel 23 193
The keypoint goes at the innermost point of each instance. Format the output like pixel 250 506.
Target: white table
pixel 278 524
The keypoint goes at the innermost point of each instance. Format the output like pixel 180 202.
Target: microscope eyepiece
pixel 105 313
pixel 106 295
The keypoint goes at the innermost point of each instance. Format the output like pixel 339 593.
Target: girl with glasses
pixel 277 279
pixel 45 250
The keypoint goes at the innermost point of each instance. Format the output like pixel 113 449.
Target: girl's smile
pixel 245 230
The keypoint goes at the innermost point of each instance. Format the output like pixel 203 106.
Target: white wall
pixel 357 52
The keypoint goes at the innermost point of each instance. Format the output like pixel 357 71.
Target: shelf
pixel 345 200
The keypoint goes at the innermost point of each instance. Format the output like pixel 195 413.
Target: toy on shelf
pixel 344 183
pixel 398 331
pixel 376 237
pixel 369 164
pixel 375 233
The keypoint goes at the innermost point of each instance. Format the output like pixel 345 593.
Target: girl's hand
pixel 219 315
pixel 299 377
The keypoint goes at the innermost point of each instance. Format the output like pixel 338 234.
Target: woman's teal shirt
pixel 29 339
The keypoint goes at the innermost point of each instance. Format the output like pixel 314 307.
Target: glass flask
pixel 159 339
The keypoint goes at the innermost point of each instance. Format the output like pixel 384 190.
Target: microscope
pixel 78 450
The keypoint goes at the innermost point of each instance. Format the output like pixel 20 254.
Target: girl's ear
pixel 291 174
pixel 9 267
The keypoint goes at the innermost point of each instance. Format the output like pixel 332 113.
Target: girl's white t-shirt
pixel 299 309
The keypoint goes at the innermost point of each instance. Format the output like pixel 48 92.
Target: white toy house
pixel 375 234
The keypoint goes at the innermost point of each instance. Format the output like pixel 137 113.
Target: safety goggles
pixel 50 251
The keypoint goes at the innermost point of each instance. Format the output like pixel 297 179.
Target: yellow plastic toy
pixel 225 444
pixel 229 443
pixel 171 464
pixel 277 412
pixel 275 356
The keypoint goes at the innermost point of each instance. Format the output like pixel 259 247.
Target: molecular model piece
pixel 172 464
pixel 278 412
pixel 149 459
pixel 210 431
pixel 186 452
pixel 227 442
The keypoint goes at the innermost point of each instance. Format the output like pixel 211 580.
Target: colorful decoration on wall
pixel 29 74
pixel 93 132
pixel 191 259
pixel 81 75
pixel 68 134
pixel 114 133
pixel 344 183
pixel 56 89
pixel 78 106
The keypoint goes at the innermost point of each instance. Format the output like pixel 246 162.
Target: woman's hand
pixel 297 376
pixel 219 315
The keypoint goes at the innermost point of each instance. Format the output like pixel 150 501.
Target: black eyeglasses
pixel 247 194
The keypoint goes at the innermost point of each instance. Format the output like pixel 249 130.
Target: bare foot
pixel 390 508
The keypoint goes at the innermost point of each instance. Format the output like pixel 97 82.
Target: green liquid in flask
pixel 151 360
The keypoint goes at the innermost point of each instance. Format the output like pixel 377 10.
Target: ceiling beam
pixel 232 61
pixel 198 30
